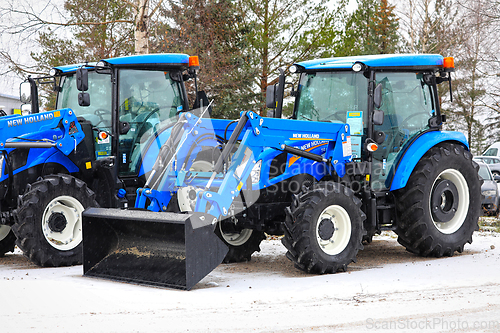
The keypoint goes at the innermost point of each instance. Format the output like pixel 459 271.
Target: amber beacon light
pixel 194 62
pixel 449 63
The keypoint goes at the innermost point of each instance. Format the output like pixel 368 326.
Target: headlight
pixel 255 174
pixel 357 67
pixel 489 193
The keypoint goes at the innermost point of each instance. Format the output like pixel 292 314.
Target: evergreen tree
pixel 211 30
pixel 371 29
pixel 90 40
pixel 286 31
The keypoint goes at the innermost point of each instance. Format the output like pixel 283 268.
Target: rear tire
pixel 49 227
pixel 438 209
pixel 324 229
pixel 7 240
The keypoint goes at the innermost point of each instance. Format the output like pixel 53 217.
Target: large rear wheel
pixel 438 209
pixel 324 229
pixel 49 227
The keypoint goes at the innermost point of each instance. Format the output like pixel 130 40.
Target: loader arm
pixel 252 137
pixel 55 129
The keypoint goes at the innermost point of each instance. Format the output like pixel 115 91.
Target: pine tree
pixel 212 30
pixel 371 29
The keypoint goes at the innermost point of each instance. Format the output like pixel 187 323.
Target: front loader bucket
pixel 153 248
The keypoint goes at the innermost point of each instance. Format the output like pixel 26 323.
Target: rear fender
pixel 404 167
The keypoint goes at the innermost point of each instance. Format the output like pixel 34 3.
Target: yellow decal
pixel 294 158
pixel 57 114
pixel 88 165
pixel 240 185
pixel 367 178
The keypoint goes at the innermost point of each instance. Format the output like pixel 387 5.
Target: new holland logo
pixel 32 119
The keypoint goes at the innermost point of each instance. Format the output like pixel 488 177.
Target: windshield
pixel 491 152
pixel 484 172
pixel 330 96
pixel 99 111
pixel 338 97
pixel 149 102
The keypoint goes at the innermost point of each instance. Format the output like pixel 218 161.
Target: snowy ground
pixel 387 290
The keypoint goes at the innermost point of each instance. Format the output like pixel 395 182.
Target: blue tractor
pixel 112 118
pixel 363 152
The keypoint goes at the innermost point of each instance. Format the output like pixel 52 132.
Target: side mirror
pixel 496 178
pixel 275 93
pixel 378 117
pixel 25 109
pixel 280 93
pixel 82 79
pixel 83 99
pixel 25 92
pixel 377 96
pixel 271 96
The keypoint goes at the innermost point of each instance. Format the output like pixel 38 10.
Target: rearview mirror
pixel 82 79
pixel 377 96
pixel 378 117
pixel 271 96
pixel 25 109
pixel 25 92
pixel 83 99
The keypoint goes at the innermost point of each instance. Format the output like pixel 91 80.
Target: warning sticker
pixel 346 147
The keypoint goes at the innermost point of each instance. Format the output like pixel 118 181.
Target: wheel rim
pixel 236 238
pixel 62 223
pixel 4 231
pixel 202 166
pixel 453 202
pixel 333 230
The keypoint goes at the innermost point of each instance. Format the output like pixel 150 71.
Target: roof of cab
pixel 382 61
pixel 171 59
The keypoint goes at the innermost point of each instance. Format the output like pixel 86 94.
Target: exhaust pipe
pixel 174 250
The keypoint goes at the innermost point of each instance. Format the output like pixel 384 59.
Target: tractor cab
pixel 126 106
pixel 387 100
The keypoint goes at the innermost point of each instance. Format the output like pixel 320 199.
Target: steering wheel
pixel 101 113
pixel 403 123
pixel 336 115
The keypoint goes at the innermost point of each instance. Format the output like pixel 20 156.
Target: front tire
pixel 7 240
pixel 439 208
pixel 324 229
pixel 49 227
pixel 241 243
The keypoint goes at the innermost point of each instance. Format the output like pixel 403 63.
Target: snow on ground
pixel 387 290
